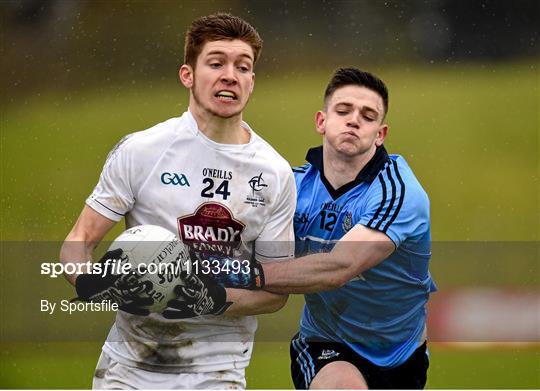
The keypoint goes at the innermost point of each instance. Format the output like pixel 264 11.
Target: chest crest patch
pixel 347 222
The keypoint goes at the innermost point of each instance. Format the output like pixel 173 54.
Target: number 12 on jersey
pixel 328 220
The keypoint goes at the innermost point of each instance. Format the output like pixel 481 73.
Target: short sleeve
pixel 397 206
pixel 113 195
pixel 276 241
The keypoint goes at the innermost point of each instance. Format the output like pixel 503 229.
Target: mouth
pixel 226 96
pixel 350 134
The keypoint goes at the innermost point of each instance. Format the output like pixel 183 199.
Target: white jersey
pixel 225 195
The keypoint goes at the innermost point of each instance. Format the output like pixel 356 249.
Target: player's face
pixel 352 123
pixel 223 78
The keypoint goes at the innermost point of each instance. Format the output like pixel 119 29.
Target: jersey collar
pixel 367 174
pixel 194 128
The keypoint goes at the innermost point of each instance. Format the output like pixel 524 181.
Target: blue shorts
pixel 309 357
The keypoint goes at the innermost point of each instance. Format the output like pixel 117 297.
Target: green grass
pixel 485 368
pixel 71 365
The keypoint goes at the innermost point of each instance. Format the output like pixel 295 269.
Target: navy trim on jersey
pixel 381 206
pixel 106 207
pixel 271 256
pixel 401 197
pixel 367 174
pixel 389 216
pixel 392 199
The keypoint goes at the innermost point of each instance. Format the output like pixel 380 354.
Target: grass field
pixel 71 365
pixel 471 134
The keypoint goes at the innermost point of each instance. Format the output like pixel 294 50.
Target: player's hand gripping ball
pixel 155 259
pixel 123 290
pixel 197 295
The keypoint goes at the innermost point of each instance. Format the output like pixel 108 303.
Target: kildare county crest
pixel 256 198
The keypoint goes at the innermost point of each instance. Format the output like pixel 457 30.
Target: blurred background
pixel 464 111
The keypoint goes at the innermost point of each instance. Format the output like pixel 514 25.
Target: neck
pixel 218 129
pixel 340 169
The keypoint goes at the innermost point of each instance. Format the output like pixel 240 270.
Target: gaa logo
pixel 174 179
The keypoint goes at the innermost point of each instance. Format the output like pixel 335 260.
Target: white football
pixel 161 255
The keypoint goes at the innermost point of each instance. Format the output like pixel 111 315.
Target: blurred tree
pixel 76 44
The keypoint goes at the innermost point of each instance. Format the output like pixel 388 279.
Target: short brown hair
pixel 356 77
pixel 217 27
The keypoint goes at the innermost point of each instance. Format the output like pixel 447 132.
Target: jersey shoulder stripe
pixel 301 169
pixel 381 205
pixel 392 198
pixel 393 194
pixel 401 196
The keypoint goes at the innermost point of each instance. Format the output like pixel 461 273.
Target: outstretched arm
pixel 246 302
pixel 360 249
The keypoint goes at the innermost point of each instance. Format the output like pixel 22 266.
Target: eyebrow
pixel 222 53
pixel 362 109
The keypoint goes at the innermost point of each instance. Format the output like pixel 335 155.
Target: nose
pixel 228 76
pixel 353 122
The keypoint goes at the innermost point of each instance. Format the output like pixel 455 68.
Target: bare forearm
pixel 359 250
pixel 253 302
pixel 83 239
pixel 314 273
pixel 75 251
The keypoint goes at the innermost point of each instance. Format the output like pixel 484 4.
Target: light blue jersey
pixel 381 313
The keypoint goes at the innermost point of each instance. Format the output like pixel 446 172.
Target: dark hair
pixel 354 76
pixel 217 27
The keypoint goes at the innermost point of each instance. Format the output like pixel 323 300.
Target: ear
pixel 320 120
pixel 381 135
pixel 252 82
pixel 186 75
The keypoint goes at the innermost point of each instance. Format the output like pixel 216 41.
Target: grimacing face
pixel 352 123
pixel 223 78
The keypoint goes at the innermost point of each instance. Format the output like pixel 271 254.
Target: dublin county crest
pixel 347 222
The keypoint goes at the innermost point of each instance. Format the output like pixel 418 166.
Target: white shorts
pixel 113 375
